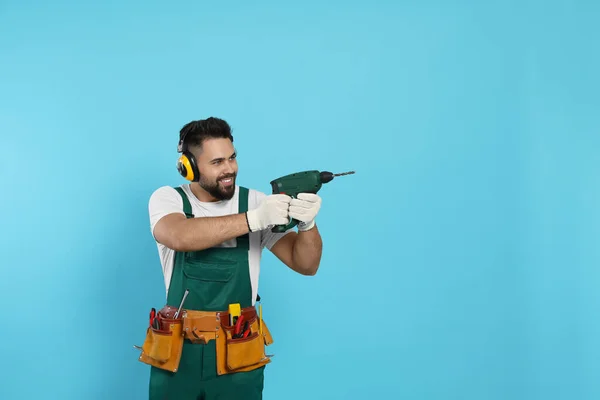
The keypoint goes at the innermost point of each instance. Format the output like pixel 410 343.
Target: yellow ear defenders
pixel 186 164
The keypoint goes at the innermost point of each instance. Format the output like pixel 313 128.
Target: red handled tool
pixel 246 330
pixel 154 319
pixel 238 326
pixel 152 316
pixel 238 332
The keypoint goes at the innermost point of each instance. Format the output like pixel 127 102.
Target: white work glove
pixel 273 210
pixel 305 209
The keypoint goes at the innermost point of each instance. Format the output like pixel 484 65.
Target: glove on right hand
pixel 273 210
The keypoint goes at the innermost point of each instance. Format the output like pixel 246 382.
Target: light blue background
pixel 460 262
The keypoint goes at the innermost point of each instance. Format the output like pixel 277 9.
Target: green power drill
pixel 300 182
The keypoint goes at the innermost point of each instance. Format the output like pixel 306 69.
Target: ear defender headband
pixel 186 164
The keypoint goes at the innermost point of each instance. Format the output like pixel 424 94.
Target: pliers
pixel 154 319
pixel 239 333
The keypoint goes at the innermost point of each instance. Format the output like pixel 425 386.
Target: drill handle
pixel 282 228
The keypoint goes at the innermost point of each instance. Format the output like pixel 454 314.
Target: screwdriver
pixel 181 305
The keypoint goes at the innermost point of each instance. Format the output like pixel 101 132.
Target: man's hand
pixel 305 209
pixel 273 210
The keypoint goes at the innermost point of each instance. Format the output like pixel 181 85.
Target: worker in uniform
pixel 210 233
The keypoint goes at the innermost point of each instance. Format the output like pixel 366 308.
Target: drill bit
pixel 327 176
pixel 344 173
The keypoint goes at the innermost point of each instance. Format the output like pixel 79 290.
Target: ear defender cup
pixel 186 165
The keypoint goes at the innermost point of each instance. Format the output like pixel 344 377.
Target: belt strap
pixel 207 318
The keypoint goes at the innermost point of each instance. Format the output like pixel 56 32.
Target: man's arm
pixel 175 231
pixel 300 251
pixel 193 234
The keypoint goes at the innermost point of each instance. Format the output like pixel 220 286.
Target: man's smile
pixel 227 181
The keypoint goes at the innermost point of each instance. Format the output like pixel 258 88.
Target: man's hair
pixel 196 132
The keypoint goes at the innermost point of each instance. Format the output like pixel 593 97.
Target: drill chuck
pixel 327 176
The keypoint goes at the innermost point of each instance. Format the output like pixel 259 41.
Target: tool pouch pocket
pixel 159 345
pixel 245 352
pixel 242 354
pixel 162 347
pixel 268 339
pixel 200 328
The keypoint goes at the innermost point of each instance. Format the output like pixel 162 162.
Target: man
pixel 210 234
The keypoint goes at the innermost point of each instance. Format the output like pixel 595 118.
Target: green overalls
pixel 215 278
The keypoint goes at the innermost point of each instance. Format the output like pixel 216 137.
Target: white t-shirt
pixel 165 200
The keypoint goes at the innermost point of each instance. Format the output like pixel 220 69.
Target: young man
pixel 210 234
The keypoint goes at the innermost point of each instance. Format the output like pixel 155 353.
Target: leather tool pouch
pixel 162 347
pixel 243 354
pixel 199 326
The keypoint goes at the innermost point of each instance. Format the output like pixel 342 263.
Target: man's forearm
pixel 204 232
pixel 307 251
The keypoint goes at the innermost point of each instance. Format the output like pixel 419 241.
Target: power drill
pixel 300 182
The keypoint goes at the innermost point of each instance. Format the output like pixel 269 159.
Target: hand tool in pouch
pixel 260 319
pixel 152 316
pixel 234 312
pixel 181 305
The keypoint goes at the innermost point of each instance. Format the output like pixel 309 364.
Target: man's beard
pixel 216 191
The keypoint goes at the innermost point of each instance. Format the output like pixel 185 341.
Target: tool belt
pixel 164 340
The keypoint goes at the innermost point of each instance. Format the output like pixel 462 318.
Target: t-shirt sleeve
pixel 267 237
pixel 163 201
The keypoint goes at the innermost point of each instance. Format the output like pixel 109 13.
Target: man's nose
pixel 229 167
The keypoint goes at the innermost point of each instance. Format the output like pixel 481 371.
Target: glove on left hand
pixel 305 209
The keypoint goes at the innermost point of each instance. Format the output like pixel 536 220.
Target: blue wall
pixel 460 262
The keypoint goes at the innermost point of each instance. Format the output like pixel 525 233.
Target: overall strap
pixel 244 240
pixel 187 207
pixel 243 200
